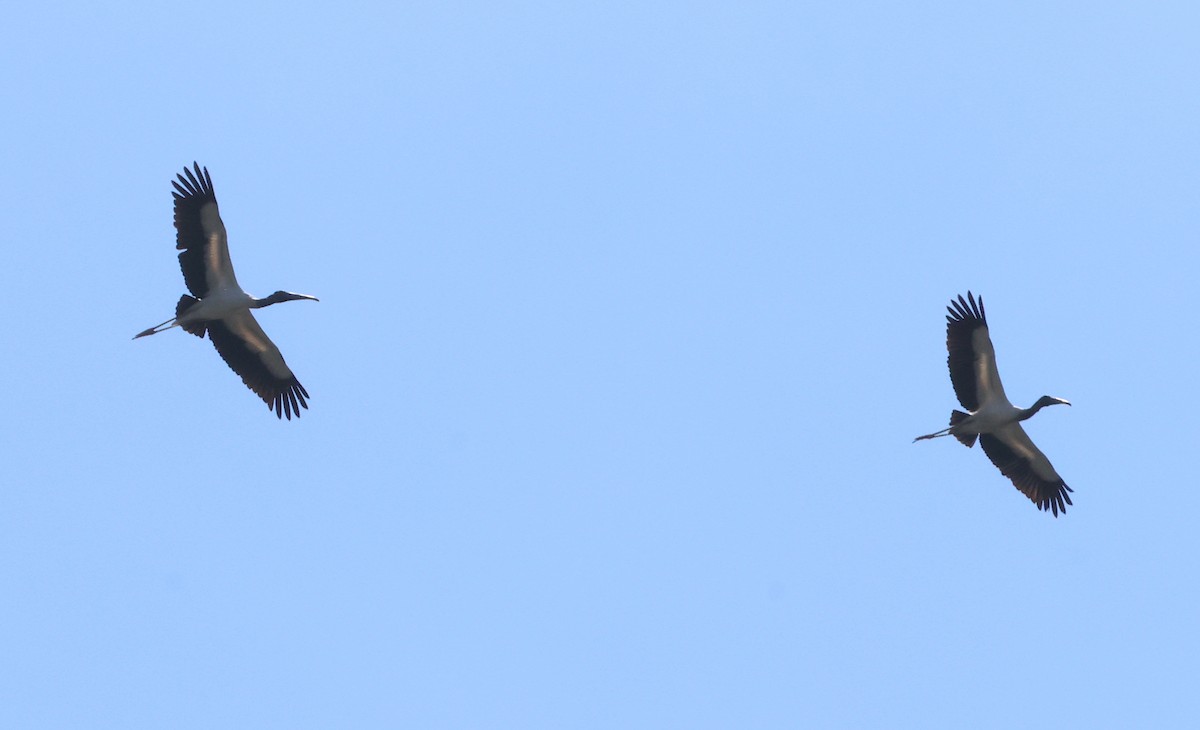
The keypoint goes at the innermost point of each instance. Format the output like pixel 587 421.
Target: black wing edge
pixel 285 397
pixel 1053 496
pixel 966 315
pixel 191 194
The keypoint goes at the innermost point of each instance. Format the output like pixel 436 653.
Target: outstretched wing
pixel 200 234
pixel 972 359
pixel 250 353
pixel 1013 452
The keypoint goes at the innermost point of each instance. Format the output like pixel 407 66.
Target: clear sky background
pixel 629 314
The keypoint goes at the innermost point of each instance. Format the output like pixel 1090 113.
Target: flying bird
pixel 993 419
pixel 218 305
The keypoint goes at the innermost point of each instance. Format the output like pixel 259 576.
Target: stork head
pixel 286 296
pixel 1049 400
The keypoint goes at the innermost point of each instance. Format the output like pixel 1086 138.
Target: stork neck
pixel 1027 413
pixel 275 298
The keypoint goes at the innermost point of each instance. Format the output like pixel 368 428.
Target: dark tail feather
pixel 193 328
pixel 966 439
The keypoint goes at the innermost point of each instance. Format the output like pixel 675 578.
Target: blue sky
pixel 629 314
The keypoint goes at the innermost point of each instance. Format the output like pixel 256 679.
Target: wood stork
pixel 219 306
pixel 993 419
